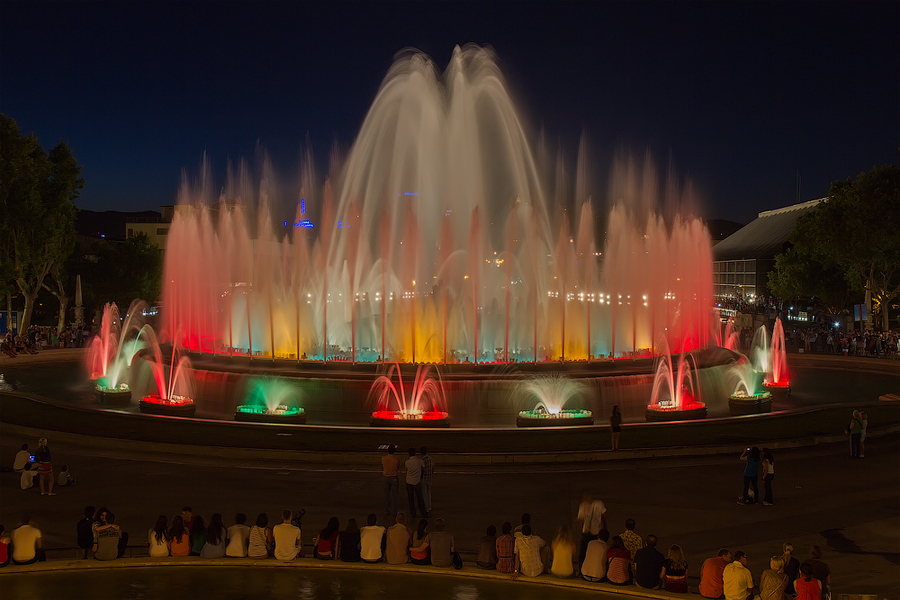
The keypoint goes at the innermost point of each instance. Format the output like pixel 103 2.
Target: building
pixel 743 260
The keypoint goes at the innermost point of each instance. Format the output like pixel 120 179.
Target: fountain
pixel 173 396
pixel 763 379
pixel 777 382
pixel 437 239
pixel 675 395
pixel 552 393
pixel 109 356
pixel 271 400
pixel 748 397
pixel 424 406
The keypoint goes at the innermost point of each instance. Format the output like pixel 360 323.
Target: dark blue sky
pixel 741 96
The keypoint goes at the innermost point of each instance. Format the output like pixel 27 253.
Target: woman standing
pixel 615 425
pixel 158 538
pixel 768 470
pixel 675 571
pixel 45 468
pixel 751 472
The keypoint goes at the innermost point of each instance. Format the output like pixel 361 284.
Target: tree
pixel 854 232
pixel 37 212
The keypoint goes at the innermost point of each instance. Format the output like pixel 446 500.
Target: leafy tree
pixel 37 211
pixel 853 232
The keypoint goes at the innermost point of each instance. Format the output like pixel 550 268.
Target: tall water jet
pixel 434 241
pixel 110 353
pixel 676 392
pixel 174 394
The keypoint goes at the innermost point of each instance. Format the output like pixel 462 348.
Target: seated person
pixel 106 539
pixel 648 565
pixel 711 583
pixel 238 537
pixel 5 541
pixel 179 538
pixel 487 549
pixel 420 546
pixel 442 547
pixel 28 474
pixel 324 543
pixel 675 571
pixel 563 554
pixel 288 541
pixel 26 543
pixel 84 531
pixel 371 540
pixel 398 539
pixel 618 563
pixel 528 553
pixel 506 550
pixel 64 478
pixel 594 566
pixel 348 546
pixel 158 538
pixel 23 457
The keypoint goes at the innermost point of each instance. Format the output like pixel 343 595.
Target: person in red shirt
pixel 807 587
pixel 711 574
pixel 506 550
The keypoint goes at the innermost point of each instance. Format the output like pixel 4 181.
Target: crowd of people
pixel 37 338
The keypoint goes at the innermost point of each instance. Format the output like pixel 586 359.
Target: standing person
pixel 773 581
pixel 238 537
pixel 414 484
pixel 737 581
pixel 591 518
pixel 287 537
pixel 427 474
pixel 862 438
pixel 158 538
pixel 26 543
pixel 768 470
pixel 45 468
pixel 84 531
pixel 615 426
pixel 751 472
pixel 855 429
pixel 711 574
pixel 390 471
pixel 371 540
pixel 675 571
pixel 506 550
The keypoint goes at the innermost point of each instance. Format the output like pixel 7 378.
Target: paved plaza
pixel 685 495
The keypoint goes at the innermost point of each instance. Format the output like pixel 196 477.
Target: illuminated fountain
pixel 438 239
pixel 110 353
pixel 423 406
pixel 173 396
pixel 552 393
pixel 748 396
pixel 271 400
pixel 777 382
pixel 675 395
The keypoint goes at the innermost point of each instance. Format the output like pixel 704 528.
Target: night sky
pixel 740 97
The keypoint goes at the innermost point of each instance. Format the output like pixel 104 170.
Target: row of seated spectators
pixel 624 559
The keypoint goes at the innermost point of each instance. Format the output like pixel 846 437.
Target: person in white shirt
pixel 28 475
pixel 591 518
pixel 26 543
pixel 371 540
pixel 594 566
pixel 238 537
pixel 287 538
pixel 23 457
pixel 528 553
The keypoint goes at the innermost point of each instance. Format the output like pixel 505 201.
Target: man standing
pixel 427 472
pixel 737 581
pixel 287 537
pixel 414 484
pixel 390 470
pixel 591 518
pixel 711 574
pixel 648 565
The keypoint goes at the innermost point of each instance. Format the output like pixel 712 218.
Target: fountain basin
pixel 780 390
pixel 176 406
pixel 255 413
pixel 119 396
pixel 564 418
pixel 688 412
pixel 750 404
pixel 395 418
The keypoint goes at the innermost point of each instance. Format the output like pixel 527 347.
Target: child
pixel 28 475
pixel 64 477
